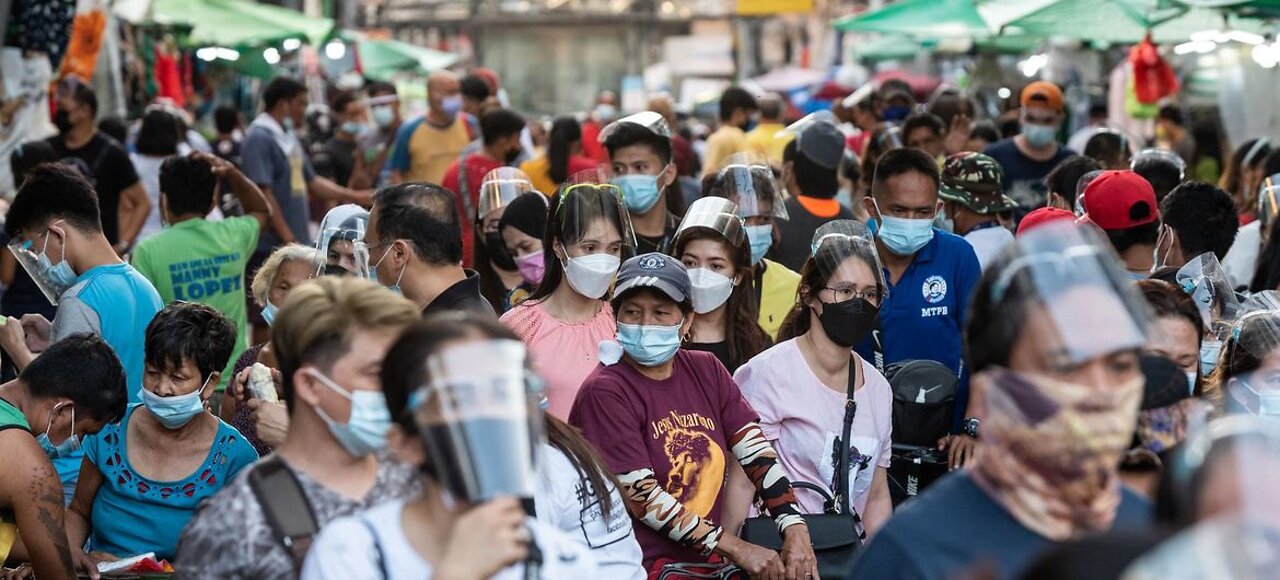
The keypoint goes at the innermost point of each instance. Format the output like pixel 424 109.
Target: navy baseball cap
pixel 654 270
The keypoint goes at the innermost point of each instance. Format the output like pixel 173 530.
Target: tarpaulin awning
pixel 1124 21
pixel 930 18
pixel 382 59
pixel 238 23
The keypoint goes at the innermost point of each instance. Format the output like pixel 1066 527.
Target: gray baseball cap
pixel 654 270
pixel 822 142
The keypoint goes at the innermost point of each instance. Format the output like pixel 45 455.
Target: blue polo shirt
pixel 923 318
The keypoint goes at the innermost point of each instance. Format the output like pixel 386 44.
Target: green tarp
pixel 238 23
pixel 382 59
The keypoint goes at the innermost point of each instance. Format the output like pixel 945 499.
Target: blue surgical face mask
pixel 269 313
pixel 761 238
pixel 639 191
pixel 365 431
pixel 1209 351
pixel 288 124
pixel 58 277
pixel 1039 136
pixel 649 345
pixel 175 412
pixel 384 116
pixel 903 237
pixel 1268 401
pixel 353 128
pixel 373 272
pixel 451 106
pixel 67 447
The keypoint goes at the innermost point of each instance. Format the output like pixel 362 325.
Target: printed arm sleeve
pixel 760 461
pixel 662 512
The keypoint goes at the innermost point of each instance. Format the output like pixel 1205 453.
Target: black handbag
pixel 836 534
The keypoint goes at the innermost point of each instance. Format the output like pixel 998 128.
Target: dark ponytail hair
pixel 403 371
pixel 564 133
pixel 742 313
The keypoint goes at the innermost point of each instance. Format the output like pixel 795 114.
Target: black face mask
pixel 496 250
pixel 62 120
pixel 513 155
pixel 847 323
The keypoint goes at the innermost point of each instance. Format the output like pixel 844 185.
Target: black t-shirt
pixel 719 349
pixel 665 243
pixel 796 234
pixel 107 166
pixel 1024 176
pixel 336 160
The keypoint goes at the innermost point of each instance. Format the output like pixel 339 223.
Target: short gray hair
pixel 266 274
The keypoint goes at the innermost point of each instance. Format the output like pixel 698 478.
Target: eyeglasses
pixel 846 293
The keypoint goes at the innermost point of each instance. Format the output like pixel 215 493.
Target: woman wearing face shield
pixel 1247 379
pixel 669 421
pixel 564 320
pixel 800 386
pixel 1053 338
pixel 466 415
pixel 500 279
pixel 340 231
pixel 143 477
pixel 711 244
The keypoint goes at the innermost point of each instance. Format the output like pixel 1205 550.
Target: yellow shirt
pixel 777 296
pixel 721 145
pixel 432 150
pixel 764 138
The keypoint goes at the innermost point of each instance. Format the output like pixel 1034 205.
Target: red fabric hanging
pixel 1153 78
pixel 168 77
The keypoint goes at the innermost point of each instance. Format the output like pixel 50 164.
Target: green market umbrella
pixel 381 59
pixel 1123 21
pixel 238 23
pixel 929 18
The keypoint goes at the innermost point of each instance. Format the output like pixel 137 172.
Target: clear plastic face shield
pixel 1269 200
pixel 844 251
pixel 1082 304
pixel 649 120
pixel 1081 185
pixel 480 421
pixel 716 215
pixel 499 188
pixel 1223 479
pixel 1162 155
pixel 890 138
pixel 592 216
pixel 1206 281
pixel 341 241
pixel 798 127
pixel 1257 335
pixel 748 180
pixel 30 250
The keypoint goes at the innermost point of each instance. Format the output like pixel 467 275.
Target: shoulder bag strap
pixel 378 553
pixel 840 499
pixel 285 506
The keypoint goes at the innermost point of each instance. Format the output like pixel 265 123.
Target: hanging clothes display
pixel 44 26
pixel 87 30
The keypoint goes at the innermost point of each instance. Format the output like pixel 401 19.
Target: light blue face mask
pixel 761 238
pixel 269 313
pixel 649 345
pixel 64 449
pixel 175 412
pixel 903 237
pixel 1268 401
pixel 353 128
pixel 373 272
pixel 1039 136
pixel 639 191
pixel 1209 351
pixel 58 277
pixel 366 430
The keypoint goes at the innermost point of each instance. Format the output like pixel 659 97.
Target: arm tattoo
pixel 51 514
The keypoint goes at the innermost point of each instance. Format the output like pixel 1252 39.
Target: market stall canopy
pixel 1125 21
pixel 238 23
pixel 929 18
pixel 789 78
pixel 382 59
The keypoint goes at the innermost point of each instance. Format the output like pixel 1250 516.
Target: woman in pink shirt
pixel 565 319
pixel 799 386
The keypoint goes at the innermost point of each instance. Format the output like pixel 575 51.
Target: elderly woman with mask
pixel 1053 338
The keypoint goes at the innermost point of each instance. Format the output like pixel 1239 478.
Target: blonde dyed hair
pixel 266 274
pixel 317 320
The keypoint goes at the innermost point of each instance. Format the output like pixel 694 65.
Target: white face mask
pixel 591 275
pixel 709 290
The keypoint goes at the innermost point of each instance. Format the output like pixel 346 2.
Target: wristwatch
pixel 970 427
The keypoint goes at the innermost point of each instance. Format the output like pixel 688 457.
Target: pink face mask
pixel 531 267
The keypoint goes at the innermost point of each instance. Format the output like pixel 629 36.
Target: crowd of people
pixel 889 340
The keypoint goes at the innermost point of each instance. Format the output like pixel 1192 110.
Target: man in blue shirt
pixel 55 231
pixel 930 272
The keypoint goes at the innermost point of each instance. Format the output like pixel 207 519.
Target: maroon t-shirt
pixel 678 427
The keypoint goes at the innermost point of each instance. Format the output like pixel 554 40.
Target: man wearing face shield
pixel 749 182
pixel 639 149
pixel 1053 337
pixel 426 146
pixel 500 129
pixel 341 241
pixel 71 392
pixel 329 340
pixel 931 274
pixel 1033 153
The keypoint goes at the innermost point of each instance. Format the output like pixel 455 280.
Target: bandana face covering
pixel 1162 428
pixel 1051 450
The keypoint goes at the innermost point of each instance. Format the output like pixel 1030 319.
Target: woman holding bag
pixel 801 386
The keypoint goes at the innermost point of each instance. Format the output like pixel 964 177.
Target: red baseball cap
pixel 1119 200
pixel 1043 216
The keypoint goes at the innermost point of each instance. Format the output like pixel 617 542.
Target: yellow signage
pixel 760 7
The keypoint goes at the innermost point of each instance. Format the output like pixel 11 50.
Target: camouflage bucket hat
pixel 975 181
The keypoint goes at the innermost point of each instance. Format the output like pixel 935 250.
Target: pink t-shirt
pixel 563 353
pixel 802 417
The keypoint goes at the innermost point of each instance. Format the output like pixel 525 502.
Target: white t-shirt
pixel 346 550
pixel 1241 261
pixel 988 243
pixel 566 499
pixel 148 169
